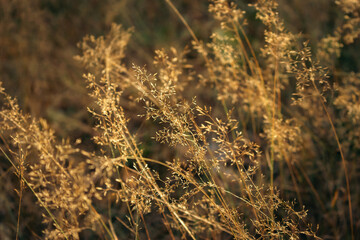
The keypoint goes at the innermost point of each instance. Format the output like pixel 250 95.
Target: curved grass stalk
pixel 35 194
pixel 342 160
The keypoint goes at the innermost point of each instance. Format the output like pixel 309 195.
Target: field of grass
pixel 183 119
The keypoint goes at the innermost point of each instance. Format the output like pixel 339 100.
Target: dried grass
pixel 234 171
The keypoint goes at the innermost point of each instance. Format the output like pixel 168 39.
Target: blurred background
pixel 38 42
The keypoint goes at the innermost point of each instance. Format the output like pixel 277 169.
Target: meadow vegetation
pixel 245 129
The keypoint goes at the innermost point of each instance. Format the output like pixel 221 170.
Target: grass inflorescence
pixel 226 138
